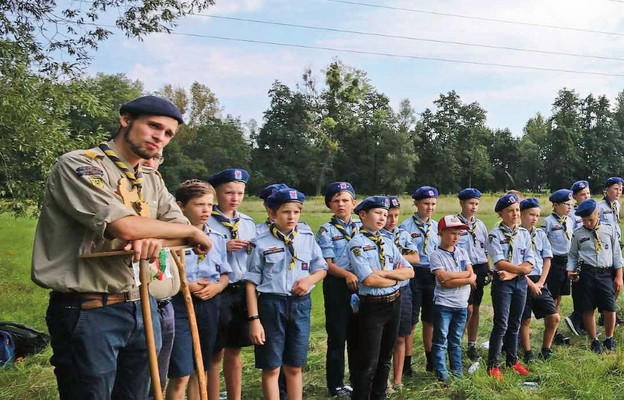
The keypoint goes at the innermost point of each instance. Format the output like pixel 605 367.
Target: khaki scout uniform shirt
pixel 80 200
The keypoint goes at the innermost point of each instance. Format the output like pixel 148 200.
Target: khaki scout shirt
pixel 80 200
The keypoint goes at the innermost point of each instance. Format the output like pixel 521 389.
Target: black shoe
pixel 609 344
pixel 574 328
pixel 596 346
pixel 546 354
pixel 473 353
pixel 561 340
pixel 341 393
pixel 528 357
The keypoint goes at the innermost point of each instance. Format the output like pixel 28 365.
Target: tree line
pixel 333 125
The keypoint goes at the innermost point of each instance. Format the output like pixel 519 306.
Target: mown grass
pixel 575 373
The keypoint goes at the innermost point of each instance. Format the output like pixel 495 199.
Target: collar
pixel 236 216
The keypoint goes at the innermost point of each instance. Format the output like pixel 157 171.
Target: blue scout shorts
pixel 597 288
pixel 286 322
pixel 423 285
pixel 233 324
pixel 542 305
pixel 476 295
pixel 557 280
pixel 405 321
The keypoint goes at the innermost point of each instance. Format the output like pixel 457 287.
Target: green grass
pixel 574 373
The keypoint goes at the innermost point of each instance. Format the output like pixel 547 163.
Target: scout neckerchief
pixel 288 241
pixel 510 235
pixel 340 225
pixel 136 178
pixel 533 233
pixel 563 221
pixel 597 243
pixel 378 240
pixel 225 221
pixel 425 228
pixel 614 207
pixel 472 227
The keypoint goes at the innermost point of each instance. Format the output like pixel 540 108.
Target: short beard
pixel 136 149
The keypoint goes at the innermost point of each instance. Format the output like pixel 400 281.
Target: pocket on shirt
pixel 273 263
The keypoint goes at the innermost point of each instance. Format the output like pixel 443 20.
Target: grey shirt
pixel 456 261
pixel 584 243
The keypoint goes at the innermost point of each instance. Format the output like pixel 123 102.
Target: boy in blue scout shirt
pixel 333 238
pixel 380 268
pixel 509 248
pixel 207 277
pixel 473 241
pixel 239 229
pixel 454 276
pixel 403 241
pixel 539 300
pixel 264 194
pixel 424 232
pixel 595 260
pixel 283 267
pixel 609 207
pixel 559 227
pixel 580 193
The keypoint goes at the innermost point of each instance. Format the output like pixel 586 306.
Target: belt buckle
pixel 133 294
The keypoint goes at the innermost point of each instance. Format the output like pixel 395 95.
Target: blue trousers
pixel 448 328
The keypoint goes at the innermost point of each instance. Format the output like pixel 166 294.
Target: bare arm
pixel 521 269
pixel 377 281
pixel 302 286
pixel 256 330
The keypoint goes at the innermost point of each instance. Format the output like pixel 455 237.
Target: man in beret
pixel 101 200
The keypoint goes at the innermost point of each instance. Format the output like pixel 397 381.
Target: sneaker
pixel 348 388
pixel 473 353
pixel 609 344
pixel 495 372
pixel 528 357
pixel 596 346
pixel 341 392
pixel 546 354
pixel 561 340
pixel 520 369
pixel 576 330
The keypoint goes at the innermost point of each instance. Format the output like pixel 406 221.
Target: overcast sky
pixel 241 73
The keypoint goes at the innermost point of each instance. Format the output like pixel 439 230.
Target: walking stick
pixel 201 372
pixel 149 330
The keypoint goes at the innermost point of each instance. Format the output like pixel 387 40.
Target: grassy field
pixel 575 373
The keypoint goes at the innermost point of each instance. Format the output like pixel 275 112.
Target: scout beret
pixel 578 186
pixel 229 175
pixel 270 189
pixel 586 208
pixel 282 196
pixel 394 202
pixel 425 192
pixel 613 180
pixel 337 187
pixel 531 202
pixel 560 196
pixel 450 221
pixel 152 105
pixel 373 202
pixel 505 201
pixel 469 193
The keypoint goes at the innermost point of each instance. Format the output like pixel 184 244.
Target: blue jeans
pixel 508 301
pixel 448 328
pixel 100 353
pixel 167 329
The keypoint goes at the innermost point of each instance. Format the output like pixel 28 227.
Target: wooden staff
pixel 152 354
pixel 188 300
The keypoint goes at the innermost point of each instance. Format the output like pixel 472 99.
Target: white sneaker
pixel 474 367
pixel 485 345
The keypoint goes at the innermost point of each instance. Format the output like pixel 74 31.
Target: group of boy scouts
pixel 251 283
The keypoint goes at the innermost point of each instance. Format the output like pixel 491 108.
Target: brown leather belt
pixel 387 298
pixel 89 301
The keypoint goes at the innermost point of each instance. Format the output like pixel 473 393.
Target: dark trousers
pixel 378 325
pixel 340 328
pixel 508 301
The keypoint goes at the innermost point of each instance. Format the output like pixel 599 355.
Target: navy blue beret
pixel 505 201
pixel 152 105
pixel 229 175
pixel 469 193
pixel 337 187
pixel 394 202
pixel 270 189
pixel 373 202
pixel 425 192
pixel 613 180
pixel 531 202
pixel 560 196
pixel 586 208
pixel 282 196
pixel 578 186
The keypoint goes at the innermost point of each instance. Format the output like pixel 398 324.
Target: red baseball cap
pixel 450 221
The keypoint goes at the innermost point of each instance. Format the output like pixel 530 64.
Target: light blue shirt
pixel 607 216
pixel 334 244
pixel 210 266
pixel 418 237
pixel 498 246
pixel 364 258
pixel 268 265
pixel 263 227
pixel 577 221
pixel 474 243
pixel 246 231
pixel 456 261
pixel 556 233
pixel 583 248
pixel 541 248
pixel 404 240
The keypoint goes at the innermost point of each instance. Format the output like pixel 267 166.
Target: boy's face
pixel 198 209
pixel 591 221
pixel 230 195
pixel 393 218
pixel 426 207
pixel 342 205
pixel 286 216
pixel 510 215
pixel 374 219
pixel 530 216
pixel 450 236
pixel 469 207
pixel 614 192
pixel 582 195
pixel 562 208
